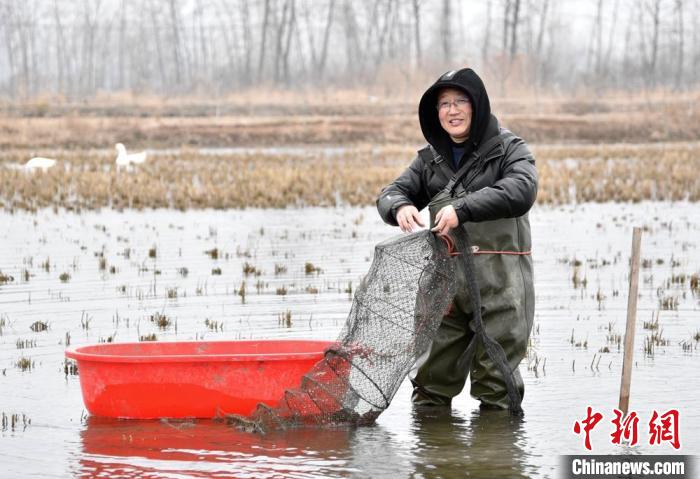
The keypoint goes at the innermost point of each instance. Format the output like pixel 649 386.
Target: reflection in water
pixel 486 444
pixel 483 444
pixel 115 448
pixel 376 454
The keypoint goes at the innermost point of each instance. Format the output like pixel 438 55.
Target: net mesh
pixel 395 314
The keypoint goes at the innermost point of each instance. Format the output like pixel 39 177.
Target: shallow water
pixel 95 303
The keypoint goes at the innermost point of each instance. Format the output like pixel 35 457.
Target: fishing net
pixel 395 314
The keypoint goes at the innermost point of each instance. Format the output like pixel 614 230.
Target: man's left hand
pixel 445 220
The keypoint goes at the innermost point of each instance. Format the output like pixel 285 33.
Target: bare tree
pixel 122 41
pixel 59 46
pixel 370 37
pixel 594 56
pixel 611 39
pixel 445 30
pixel 228 31
pixel 626 59
pixel 247 42
pixel 696 41
pixel 176 46
pixel 352 38
pixel 263 39
pixel 279 40
pixel 154 14
pixel 326 37
pixel 79 47
pixel 310 37
pixel 384 32
pixel 539 42
pixel 514 29
pixel 507 7
pixel 7 17
pixel 290 26
pixel 91 15
pixel 681 47
pixel 416 30
pixel 25 29
pixel 653 8
pixel 200 45
pixel 102 49
pixel 487 35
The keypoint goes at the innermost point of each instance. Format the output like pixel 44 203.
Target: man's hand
pixel 445 220
pixel 407 217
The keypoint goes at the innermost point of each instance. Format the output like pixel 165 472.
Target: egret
pixel 39 163
pixel 125 160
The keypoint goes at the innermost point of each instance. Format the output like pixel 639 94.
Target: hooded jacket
pixel 501 183
pixel 483 126
pixel 497 190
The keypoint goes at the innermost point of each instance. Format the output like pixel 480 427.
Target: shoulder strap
pixel 428 154
pixel 433 158
pixel 484 148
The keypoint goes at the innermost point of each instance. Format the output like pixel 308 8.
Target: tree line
pixel 78 48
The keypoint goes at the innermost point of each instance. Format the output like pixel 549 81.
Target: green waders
pixel 504 275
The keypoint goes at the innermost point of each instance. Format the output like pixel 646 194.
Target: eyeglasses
pixel 459 103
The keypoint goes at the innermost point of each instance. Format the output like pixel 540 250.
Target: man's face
pixel 455 113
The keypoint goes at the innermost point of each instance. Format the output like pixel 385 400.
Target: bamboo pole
pixel 631 319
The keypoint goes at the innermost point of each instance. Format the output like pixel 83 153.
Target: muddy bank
pixel 332 120
pixel 75 132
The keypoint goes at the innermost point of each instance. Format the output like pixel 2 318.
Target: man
pixel 474 175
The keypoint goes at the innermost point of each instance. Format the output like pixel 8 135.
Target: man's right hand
pixel 407 217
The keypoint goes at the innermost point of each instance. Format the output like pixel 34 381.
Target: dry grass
pixel 24 364
pixel 13 422
pixel 619 173
pixel 39 326
pixel 589 148
pixel 573 173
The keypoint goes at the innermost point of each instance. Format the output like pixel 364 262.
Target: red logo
pixel 665 428
pixel 588 424
pixel 625 428
pixel 662 427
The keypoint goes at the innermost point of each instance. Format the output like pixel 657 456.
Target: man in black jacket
pixel 476 175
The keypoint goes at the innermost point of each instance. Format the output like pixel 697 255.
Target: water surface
pixel 124 267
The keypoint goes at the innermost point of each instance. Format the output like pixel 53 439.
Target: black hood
pixel 483 125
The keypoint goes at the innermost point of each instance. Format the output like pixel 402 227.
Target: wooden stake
pixel 631 319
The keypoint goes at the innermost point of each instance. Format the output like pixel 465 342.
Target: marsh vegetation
pixel 614 148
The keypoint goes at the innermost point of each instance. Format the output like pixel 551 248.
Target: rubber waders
pixel 466 347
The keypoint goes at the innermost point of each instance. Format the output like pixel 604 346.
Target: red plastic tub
pixel 200 379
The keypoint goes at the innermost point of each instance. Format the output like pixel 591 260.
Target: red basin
pixel 200 379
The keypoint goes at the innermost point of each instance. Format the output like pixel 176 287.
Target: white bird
pixel 39 163
pixel 126 160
